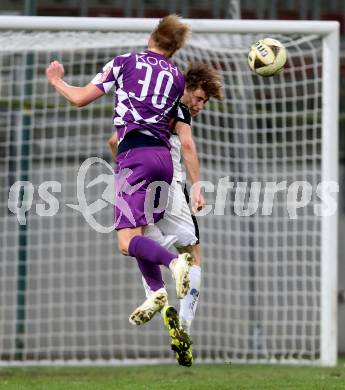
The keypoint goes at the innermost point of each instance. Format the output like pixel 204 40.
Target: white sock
pixel 149 292
pixel 189 303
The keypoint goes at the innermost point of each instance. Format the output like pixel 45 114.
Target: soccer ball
pixel 267 57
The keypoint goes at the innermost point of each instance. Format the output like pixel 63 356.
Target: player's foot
pixel 180 341
pixel 180 270
pixel 149 308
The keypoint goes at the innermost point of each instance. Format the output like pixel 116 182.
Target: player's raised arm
pixel 191 162
pixel 79 96
pixel 189 151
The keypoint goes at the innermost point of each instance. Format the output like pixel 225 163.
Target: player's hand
pixel 198 200
pixel 55 71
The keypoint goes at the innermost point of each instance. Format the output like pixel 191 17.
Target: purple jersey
pixel 147 87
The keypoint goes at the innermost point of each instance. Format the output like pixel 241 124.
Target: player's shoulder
pixel 123 58
pixel 183 114
pixel 183 106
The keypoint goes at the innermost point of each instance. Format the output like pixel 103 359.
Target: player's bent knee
pixel 194 250
pixel 185 239
pixel 123 249
pixel 196 253
pixel 124 237
pixel 184 249
pixel 197 260
pixel 123 246
pixel 191 249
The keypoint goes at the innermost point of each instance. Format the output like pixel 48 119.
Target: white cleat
pixel 180 270
pixel 149 308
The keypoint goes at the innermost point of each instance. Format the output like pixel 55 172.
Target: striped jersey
pixel 147 87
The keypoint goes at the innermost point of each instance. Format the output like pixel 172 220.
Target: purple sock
pixel 144 248
pixel 152 274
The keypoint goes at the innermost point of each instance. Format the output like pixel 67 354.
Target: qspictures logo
pixel 109 190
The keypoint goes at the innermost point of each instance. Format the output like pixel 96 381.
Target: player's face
pixel 195 100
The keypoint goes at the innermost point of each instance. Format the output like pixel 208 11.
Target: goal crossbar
pixel 146 24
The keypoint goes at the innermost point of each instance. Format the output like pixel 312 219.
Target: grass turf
pixel 167 377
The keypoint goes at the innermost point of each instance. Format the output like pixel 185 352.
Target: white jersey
pixel 179 173
pixel 177 221
pixel 177 226
pixel 183 115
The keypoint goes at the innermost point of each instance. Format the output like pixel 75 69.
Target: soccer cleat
pixel 180 270
pixel 180 341
pixel 149 308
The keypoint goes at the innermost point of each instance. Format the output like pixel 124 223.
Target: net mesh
pixel 66 293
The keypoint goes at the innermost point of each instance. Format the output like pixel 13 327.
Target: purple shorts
pixel 142 179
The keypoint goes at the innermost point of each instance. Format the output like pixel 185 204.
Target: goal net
pixel 269 249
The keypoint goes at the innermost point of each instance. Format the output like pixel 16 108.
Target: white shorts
pixel 177 220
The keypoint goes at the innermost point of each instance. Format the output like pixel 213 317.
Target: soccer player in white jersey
pixel 179 226
pixel 148 86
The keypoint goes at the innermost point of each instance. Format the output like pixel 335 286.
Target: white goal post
pixel 269 290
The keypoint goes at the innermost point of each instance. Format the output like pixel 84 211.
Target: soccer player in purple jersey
pixel 178 226
pixel 148 87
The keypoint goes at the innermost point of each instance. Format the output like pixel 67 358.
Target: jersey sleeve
pixel 106 78
pixel 183 114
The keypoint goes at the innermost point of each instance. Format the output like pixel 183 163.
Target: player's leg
pixel 132 243
pixel 132 187
pixel 190 301
pixel 146 250
pixel 153 232
pixel 149 255
pixel 151 272
pixel 177 221
pixel 149 268
pixel 179 340
pixel 181 223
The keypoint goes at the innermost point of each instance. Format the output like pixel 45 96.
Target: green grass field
pixel 168 377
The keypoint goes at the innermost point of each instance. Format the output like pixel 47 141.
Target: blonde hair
pixel 204 76
pixel 170 34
